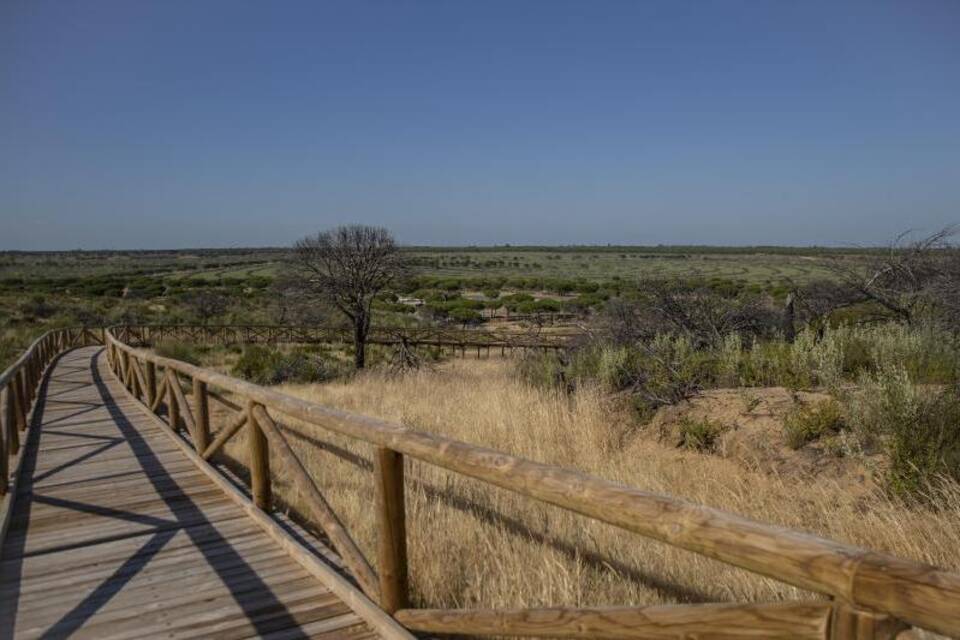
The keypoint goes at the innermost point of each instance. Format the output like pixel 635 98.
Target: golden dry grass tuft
pixel 472 545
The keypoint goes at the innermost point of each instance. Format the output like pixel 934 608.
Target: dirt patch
pixel 750 424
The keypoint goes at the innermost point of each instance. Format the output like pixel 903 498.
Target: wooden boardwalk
pixel 115 533
pixel 120 527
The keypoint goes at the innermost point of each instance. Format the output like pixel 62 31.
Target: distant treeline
pixel 654 249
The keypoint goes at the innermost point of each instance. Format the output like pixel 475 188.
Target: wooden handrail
pixel 781 620
pixel 863 583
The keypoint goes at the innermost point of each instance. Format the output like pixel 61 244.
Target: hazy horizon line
pixel 455 247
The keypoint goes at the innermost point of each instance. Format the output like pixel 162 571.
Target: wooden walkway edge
pixel 118 530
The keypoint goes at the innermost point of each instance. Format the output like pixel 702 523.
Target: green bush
pixel 178 351
pixel 699 435
pixel 268 366
pixel 544 370
pixel 918 427
pixel 929 446
pixel 807 423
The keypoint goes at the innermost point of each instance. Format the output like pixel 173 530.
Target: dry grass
pixel 473 545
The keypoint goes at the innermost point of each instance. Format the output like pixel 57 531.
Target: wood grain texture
pixel 391 529
pixel 201 410
pixel 259 461
pixel 150 373
pixel 794 620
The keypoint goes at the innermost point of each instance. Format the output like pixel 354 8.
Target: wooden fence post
pixel 28 377
pixel 125 368
pixel 259 462
pixel 151 380
pixel 4 440
pixel 11 419
pixel 851 623
pixel 173 408
pixel 20 396
pixel 201 415
pixel 135 387
pixel 392 530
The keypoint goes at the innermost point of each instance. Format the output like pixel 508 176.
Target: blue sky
pixel 135 124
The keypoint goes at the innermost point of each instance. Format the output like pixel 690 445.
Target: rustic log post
pixel 125 368
pixel 851 623
pixel 151 380
pixel 10 421
pixel 392 530
pixel 20 397
pixel 28 386
pixel 173 407
pixel 4 440
pixel 160 394
pixel 135 387
pixel 259 462
pixel 201 415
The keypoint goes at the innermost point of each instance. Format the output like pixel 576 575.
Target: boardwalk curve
pixel 115 533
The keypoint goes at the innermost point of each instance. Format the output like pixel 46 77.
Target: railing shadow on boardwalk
pixel 190 518
pixel 255 596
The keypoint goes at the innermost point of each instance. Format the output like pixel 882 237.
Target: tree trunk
pixel 788 319
pixel 360 343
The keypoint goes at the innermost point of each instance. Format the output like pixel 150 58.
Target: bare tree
pixel 348 266
pixel 296 302
pixel 946 288
pixel 206 304
pixel 691 309
pixel 900 280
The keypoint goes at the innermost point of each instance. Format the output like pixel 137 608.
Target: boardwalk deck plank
pixel 116 534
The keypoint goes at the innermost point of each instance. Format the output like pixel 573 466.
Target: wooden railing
pixel 19 385
pixel 872 595
pixel 456 340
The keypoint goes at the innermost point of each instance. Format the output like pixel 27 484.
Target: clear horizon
pixel 221 125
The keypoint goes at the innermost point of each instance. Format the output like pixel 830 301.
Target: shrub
pixel 38 307
pixel 178 351
pixel 268 366
pixel 699 435
pixel 929 446
pixel 544 370
pixel 807 423
pixel 918 428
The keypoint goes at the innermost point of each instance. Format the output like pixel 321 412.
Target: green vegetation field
pixel 42 290
pixel 749 267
